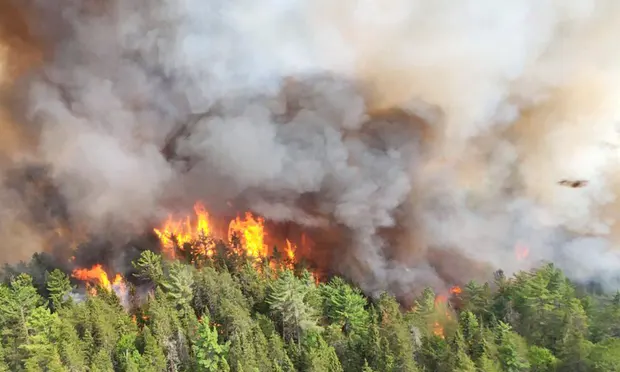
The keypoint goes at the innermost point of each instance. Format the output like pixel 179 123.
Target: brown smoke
pixel 421 140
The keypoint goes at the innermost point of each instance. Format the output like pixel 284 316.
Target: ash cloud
pixel 429 135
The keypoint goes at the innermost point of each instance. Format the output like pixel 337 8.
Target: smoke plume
pixel 424 141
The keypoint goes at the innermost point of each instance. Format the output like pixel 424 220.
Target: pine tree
pixel 210 355
pixel 396 331
pixel 472 335
pixel 153 358
pixel 102 362
pixel 126 354
pixel 508 354
pixel 70 347
pixel 149 266
pixel 541 359
pixel 178 285
pixel 287 302
pixel 457 359
pixel 320 357
pixel 59 287
pixel 41 346
pixel 17 302
pixel 345 306
pixel 277 353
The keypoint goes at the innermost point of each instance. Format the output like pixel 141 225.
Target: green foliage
pixel 210 355
pixel 149 266
pixel 257 316
pixel 59 287
pixel 287 302
pixel 541 359
pixel 605 356
pixel 507 350
pixel 345 306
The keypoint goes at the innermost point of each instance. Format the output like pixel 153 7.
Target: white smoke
pixel 502 99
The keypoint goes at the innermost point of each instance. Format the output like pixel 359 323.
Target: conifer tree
pixel 345 306
pixel 59 287
pixel 287 302
pixel 210 355
pixel 153 358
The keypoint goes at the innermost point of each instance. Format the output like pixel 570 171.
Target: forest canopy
pixel 231 312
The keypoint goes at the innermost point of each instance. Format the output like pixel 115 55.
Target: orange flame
pixel 97 275
pixel 521 251
pixel 440 300
pixel 251 231
pixel 438 330
pixel 183 231
pixel 290 253
pixel 443 309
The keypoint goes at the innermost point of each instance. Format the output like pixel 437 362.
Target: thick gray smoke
pixel 431 134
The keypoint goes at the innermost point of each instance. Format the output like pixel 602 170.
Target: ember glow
pixel 521 252
pixel 443 311
pixel 438 330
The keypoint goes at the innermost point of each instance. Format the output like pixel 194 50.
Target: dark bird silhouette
pixel 574 183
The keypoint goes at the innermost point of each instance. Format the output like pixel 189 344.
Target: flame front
pixel 181 231
pixel 290 253
pixel 197 230
pixel 251 231
pixel 97 275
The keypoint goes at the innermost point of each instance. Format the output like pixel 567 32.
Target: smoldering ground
pixel 425 139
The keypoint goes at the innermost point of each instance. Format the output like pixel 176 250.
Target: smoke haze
pixel 429 137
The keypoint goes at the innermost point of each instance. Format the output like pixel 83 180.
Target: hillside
pixel 230 312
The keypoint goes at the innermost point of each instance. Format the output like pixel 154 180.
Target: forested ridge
pixel 229 312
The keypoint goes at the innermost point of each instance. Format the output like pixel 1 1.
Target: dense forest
pixel 230 312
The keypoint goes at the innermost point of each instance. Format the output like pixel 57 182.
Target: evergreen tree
pixel 277 353
pixel 395 330
pixel 41 352
pixel 59 287
pixel 541 359
pixel 178 285
pixel 153 359
pixel 345 306
pixel 319 356
pixel 605 356
pixel 210 355
pixel 149 266
pixel 18 301
pixel 287 302
pixel 508 353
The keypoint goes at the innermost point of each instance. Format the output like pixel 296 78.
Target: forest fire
pixel 249 230
pixel 443 311
pixel 96 275
pixel 181 231
pixel 521 251
pixel 438 330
